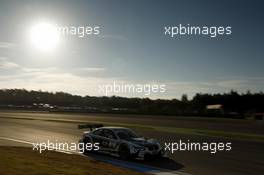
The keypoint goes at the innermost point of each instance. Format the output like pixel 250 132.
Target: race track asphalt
pixel 246 157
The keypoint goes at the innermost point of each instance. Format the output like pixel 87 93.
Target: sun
pixel 44 36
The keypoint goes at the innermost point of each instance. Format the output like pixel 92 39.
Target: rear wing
pixel 90 126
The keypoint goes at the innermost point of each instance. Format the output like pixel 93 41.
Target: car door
pixel 109 142
pixel 98 137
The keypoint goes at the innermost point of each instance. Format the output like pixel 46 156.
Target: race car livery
pixel 122 142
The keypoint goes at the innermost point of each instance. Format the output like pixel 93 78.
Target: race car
pixel 121 142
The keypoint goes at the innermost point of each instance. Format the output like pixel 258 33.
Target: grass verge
pixel 22 160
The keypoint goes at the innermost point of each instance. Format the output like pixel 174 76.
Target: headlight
pixel 135 149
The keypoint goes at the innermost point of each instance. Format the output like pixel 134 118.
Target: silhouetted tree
pixel 232 102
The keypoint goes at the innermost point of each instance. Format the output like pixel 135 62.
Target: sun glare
pixel 44 36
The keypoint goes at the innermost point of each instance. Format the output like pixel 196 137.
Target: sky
pixel 132 47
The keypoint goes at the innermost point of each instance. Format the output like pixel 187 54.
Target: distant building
pixel 215 109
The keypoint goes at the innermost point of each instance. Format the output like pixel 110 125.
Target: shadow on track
pixel 140 165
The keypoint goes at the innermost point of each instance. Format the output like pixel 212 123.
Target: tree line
pixel 231 102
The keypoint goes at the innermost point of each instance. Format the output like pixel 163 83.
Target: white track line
pixel 16 140
pixel 31 143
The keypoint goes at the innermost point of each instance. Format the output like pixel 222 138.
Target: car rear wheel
pixel 87 140
pixel 124 152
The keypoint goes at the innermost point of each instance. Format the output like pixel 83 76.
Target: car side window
pixel 98 132
pixel 109 134
pixel 122 135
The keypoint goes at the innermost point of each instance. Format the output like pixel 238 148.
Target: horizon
pixel 179 99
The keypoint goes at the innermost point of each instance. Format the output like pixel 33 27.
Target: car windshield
pixel 126 134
